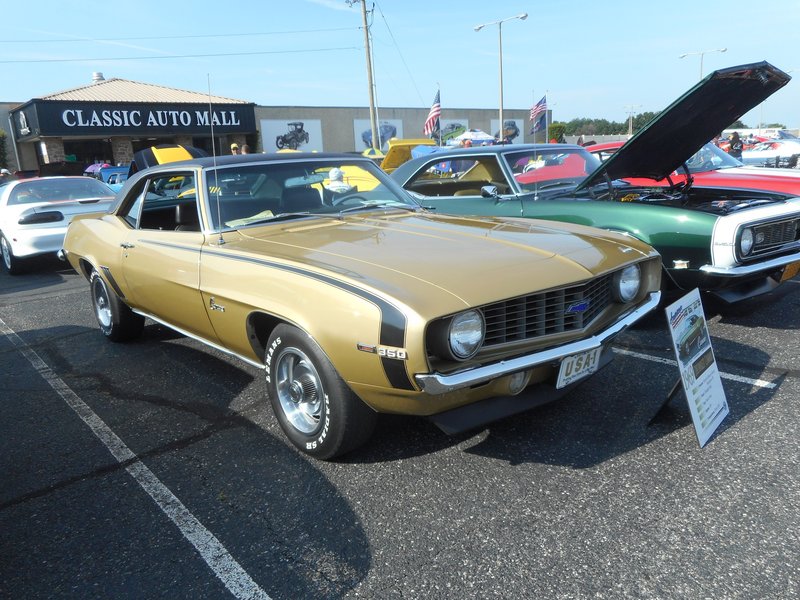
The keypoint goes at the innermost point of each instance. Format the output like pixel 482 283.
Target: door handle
pixel 126 245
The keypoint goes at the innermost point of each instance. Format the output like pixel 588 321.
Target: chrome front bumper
pixel 767 265
pixel 438 383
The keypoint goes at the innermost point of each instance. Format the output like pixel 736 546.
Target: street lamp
pixel 499 24
pixel 701 53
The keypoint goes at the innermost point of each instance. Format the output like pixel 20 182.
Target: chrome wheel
pixel 300 390
pixel 102 304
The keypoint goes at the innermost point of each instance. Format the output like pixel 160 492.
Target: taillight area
pixel 32 217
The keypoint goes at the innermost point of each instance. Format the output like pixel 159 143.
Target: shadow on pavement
pixel 170 403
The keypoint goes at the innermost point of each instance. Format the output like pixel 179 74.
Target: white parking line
pixel 723 375
pixel 235 578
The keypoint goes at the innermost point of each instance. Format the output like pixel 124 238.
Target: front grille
pixel 769 237
pixel 546 313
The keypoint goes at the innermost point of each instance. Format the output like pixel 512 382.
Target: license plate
pixel 790 270
pixel 578 366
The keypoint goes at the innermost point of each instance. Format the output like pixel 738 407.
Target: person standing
pixel 736 146
pixel 245 149
pixel 234 148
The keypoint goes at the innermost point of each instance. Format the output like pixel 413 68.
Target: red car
pixel 713 167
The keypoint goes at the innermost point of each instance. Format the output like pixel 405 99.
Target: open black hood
pixel 676 133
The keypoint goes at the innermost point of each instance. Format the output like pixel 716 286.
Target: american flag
pixel 539 114
pixel 432 122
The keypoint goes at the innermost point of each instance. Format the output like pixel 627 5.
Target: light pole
pixel 701 53
pixel 499 24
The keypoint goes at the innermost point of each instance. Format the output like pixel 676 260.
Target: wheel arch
pixel 260 326
pixel 86 268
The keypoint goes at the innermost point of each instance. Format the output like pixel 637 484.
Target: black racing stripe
pixel 396 373
pixel 393 321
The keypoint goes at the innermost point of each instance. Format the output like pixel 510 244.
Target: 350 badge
pixel 387 351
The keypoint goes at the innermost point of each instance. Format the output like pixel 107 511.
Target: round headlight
pixel 746 242
pixel 465 334
pixel 627 282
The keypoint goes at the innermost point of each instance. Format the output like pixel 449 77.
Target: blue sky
pixel 595 59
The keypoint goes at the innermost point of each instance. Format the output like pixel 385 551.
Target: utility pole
pixel 631 108
pixel 373 120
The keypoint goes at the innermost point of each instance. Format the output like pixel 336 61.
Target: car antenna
pixel 215 187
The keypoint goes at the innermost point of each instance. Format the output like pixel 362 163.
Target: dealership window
pixel 90 151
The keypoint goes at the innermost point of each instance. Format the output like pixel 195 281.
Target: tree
pixel 557 131
pixel 737 125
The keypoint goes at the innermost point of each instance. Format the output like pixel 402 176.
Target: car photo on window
pixel 353 299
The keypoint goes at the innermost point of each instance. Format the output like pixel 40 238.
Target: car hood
pixel 676 133
pixel 460 261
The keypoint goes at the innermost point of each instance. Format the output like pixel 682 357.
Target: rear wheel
pixel 319 414
pixel 116 320
pixel 12 264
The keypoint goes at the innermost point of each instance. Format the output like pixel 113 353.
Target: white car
pixel 35 213
pixel 773 153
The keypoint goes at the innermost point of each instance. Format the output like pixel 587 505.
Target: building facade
pixel 108 120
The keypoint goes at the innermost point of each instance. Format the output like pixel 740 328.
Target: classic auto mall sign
pixel 149 118
pixel 98 119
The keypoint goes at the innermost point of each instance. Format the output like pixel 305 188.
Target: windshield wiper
pixel 556 184
pixel 377 204
pixel 279 217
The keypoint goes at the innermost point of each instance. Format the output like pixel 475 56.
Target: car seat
pixel 300 199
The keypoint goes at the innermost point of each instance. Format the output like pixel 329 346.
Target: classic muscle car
pixel 360 302
pixel 734 243
pixel 711 166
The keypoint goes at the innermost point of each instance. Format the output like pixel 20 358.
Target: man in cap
pixel 5 175
pixel 234 148
pixel 337 183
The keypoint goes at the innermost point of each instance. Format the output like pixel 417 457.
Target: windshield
pixel 240 195
pixel 711 158
pixel 550 167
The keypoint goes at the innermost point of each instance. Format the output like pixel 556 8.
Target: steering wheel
pixel 343 199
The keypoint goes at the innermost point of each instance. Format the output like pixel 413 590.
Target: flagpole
pixel 439 120
pixel 546 124
pixel 533 103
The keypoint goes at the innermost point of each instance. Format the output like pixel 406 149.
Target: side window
pixel 167 202
pixel 459 177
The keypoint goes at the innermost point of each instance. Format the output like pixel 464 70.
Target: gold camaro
pixel 353 298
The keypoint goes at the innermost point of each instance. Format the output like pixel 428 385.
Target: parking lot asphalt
pixel 155 469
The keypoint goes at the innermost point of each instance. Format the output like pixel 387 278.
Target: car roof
pixel 447 153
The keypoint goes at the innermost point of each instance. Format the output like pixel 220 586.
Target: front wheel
pixel 319 414
pixel 12 264
pixel 116 320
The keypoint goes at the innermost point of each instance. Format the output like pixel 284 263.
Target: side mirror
pixel 490 191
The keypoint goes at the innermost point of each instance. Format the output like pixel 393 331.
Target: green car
pixel 733 243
